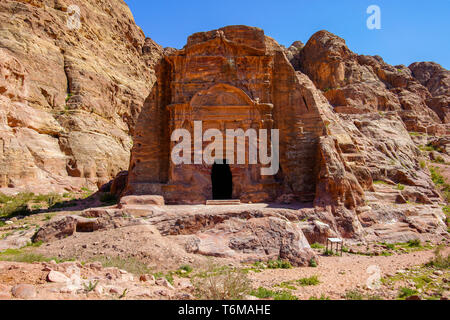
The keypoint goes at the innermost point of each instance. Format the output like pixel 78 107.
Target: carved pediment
pixel 221 95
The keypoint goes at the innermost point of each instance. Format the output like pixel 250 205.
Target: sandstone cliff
pixel 69 98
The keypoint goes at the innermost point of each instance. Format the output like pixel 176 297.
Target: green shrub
pixel 439 159
pixel 317 246
pixel 311 281
pixel 184 270
pixel 264 293
pixel 436 176
pixel 353 295
pixel 414 243
pixel 400 187
pixel 322 297
pixel 439 261
pixel 422 164
pixel 406 292
pixel 221 283
pixel 389 246
pixel 279 264
pixel 312 263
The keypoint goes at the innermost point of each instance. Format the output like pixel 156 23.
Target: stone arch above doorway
pixel 221 95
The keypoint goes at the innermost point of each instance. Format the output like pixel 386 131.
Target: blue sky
pixel 415 30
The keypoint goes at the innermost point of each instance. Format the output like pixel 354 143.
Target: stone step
pixel 223 202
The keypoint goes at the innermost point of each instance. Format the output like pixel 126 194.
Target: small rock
pixel 147 278
pixel 164 282
pixel 438 273
pixel 415 297
pixel 115 290
pixel 163 293
pixel 57 277
pixel 187 296
pixel 98 290
pixel 95 266
pixel 24 291
pixel 9 222
pixel 123 271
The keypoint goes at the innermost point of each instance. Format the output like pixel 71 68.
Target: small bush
pixel 264 293
pixel 354 295
pixel 17 205
pixel 221 283
pixel 184 270
pixel 406 292
pixel 311 281
pixel 439 261
pixel 439 159
pixel 414 243
pixel 108 198
pixel 436 176
pixel 279 264
pixel 322 297
pixel 389 246
pixel 328 252
pixel 400 187
pixel 312 263
pixel 317 246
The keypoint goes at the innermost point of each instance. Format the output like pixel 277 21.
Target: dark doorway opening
pixel 222 181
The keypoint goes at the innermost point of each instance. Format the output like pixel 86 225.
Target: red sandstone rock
pixel 255 240
pixel 69 101
pixel 142 200
pixel 24 291
pixel 360 84
pixel 437 80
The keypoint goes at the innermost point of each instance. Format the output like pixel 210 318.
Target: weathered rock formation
pixel 343 125
pixel 230 78
pixel 69 98
pixel 360 84
pixel 437 80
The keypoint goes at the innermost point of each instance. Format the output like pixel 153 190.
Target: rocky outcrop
pixel 356 84
pixel 69 98
pixel 437 80
pixel 255 240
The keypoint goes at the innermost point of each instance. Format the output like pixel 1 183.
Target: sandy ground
pixel 339 274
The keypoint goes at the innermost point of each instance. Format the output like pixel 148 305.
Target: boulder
pixel 142 200
pixel 57 277
pixel 257 239
pixel 24 291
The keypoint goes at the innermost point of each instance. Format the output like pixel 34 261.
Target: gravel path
pixel 339 274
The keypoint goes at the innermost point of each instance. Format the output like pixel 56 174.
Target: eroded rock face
pixel 356 84
pixel 69 98
pixel 437 80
